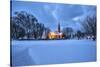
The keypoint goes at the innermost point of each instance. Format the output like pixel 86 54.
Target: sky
pixel 50 14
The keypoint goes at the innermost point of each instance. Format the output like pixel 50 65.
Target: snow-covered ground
pixel 52 52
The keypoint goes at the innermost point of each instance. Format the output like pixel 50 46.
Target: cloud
pixel 76 18
pixel 51 10
pixel 62 12
pixel 52 13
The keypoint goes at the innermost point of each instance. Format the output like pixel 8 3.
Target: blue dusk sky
pixel 50 14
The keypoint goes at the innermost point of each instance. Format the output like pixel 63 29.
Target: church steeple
pixel 59 27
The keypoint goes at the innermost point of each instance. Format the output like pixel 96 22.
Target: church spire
pixel 59 27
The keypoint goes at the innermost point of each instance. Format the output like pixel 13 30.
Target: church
pixel 57 34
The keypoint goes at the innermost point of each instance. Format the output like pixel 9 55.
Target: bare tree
pixel 89 25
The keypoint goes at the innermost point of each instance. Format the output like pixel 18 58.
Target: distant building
pixel 57 34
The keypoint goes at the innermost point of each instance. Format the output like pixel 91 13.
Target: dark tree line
pixel 25 25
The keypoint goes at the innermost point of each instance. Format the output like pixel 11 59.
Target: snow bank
pixel 52 52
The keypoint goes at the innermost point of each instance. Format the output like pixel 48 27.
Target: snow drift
pixel 52 52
